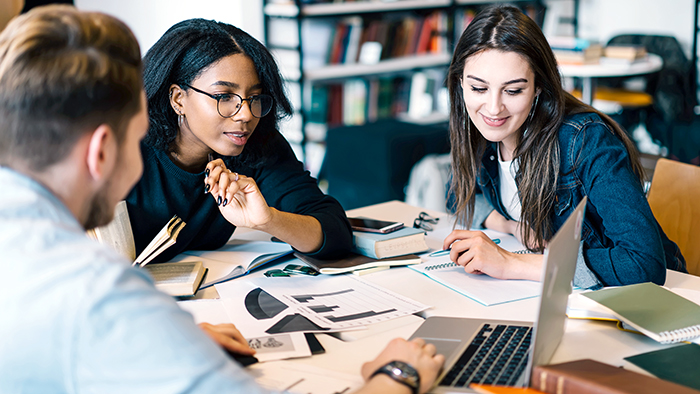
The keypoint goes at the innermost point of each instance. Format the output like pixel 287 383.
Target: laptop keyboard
pixel 497 355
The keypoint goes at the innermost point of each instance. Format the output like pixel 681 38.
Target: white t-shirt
pixel 508 189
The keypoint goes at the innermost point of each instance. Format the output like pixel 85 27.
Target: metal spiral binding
pixel 680 335
pixel 440 266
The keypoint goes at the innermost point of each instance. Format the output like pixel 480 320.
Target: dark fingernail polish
pixel 225 201
pixel 218 200
pixel 206 189
pixel 206 173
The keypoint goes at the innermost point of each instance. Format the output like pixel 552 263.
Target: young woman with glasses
pixel 525 153
pixel 213 154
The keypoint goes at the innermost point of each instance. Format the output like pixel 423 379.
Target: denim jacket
pixel 622 243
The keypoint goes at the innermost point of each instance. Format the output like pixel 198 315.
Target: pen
pixel 447 251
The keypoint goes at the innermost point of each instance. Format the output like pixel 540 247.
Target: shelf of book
pixel 344 71
pixel 290 9
pixel 334 44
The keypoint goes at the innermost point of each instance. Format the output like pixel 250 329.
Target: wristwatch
pixel 402 373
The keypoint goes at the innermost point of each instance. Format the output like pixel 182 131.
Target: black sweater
pixel 166 190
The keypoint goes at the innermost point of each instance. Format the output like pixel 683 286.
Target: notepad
pixel 652 310
pixel 480 288
pixel 677 364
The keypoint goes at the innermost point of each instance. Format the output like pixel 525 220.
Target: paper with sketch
pixel 480 288
pixel 311 304
pixel 290 377
pixel 236 258
pixel 280 346
pixel 257 313
pixel 268 347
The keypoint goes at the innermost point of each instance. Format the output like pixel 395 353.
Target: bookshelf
pixel 355 62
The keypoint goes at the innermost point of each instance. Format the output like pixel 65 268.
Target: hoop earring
pixel 180 119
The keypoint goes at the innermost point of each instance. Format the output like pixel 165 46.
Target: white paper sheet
pixel 303 379
pixel 311 304
pixel 268 347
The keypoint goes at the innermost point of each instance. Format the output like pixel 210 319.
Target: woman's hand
pixel 496 221
pixel 478 254
pixel 228 336
pixel 416 353
pixel 243 205
pixel 238 197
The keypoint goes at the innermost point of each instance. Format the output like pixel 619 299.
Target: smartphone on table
pixel 374 225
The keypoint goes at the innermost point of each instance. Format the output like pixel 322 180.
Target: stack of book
pixel 570 50
pixel 396 243
pixel 624 54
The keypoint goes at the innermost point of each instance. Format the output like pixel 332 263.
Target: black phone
pixel 374 225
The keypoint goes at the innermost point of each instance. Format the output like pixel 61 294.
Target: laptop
pixel 504 352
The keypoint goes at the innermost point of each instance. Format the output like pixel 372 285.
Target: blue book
pixel 396 243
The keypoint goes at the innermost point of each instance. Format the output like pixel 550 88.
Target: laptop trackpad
pixel 444 346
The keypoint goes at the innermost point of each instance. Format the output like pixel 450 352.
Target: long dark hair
pixel 506 28
pixel 183 53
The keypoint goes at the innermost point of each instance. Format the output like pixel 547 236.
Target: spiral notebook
pixel 652 310
pixel 480 288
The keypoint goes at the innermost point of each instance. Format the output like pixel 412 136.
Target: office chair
pixel 674 197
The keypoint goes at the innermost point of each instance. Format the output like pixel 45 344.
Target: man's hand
pixel 416 353
pixel 228 336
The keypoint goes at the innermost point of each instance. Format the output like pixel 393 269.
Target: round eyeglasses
pixel 228 104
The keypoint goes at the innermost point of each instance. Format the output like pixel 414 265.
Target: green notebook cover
pixel 653 310
pixel 678 364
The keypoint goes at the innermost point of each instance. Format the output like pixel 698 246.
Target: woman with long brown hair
pixel 525 152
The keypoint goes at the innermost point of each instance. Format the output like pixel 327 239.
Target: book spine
pixel 556 382
pixel 400 246
pixel 365 247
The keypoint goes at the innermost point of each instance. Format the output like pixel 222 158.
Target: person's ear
pixel 102 152
pixel 176 96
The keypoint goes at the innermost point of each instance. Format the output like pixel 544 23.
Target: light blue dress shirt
pixel 75 317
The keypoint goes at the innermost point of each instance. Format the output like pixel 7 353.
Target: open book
pixel 165 238
pixel 236 258
pixel 176 280
pixel 652 310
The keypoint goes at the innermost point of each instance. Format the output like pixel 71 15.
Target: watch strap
pixel 401 372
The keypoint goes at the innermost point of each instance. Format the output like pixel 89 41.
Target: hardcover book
pixel 407 240
pixel 589 376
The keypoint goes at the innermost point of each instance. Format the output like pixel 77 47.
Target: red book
pixel 588 376
pixel 426 33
